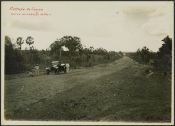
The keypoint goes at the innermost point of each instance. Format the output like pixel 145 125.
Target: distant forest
pixel 18 60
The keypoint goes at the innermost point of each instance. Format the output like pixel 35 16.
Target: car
pixel 57 67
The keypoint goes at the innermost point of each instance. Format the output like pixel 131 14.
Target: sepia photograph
pixel 87 62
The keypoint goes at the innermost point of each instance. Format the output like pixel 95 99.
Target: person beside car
pixel 67 67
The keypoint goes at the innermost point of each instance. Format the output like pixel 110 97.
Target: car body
pixel 57 67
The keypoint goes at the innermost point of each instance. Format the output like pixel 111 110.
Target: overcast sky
pixel 113 25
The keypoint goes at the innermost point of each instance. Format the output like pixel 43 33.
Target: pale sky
pixel 113 25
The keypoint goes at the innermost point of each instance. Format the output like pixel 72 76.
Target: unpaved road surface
pixel 119 91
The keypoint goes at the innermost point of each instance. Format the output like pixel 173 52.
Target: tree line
pixel 160 60
pixel 18 60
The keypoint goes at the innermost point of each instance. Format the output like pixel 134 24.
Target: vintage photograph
pixel 87 62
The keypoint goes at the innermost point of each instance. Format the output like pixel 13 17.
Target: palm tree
pixel 20 41
pixel 30 41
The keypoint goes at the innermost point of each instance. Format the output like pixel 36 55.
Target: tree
pixel 13 58
pixel 20 41
pixel 91 48
pixel 55 48
pixel 30 41
pixel 101 51
pixel 166 47
pixel 164 55
pixel 72 43
pixel 143 55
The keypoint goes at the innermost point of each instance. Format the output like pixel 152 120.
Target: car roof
pixel 55 61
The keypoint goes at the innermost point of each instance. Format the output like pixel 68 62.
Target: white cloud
pixel 139 11
pixel 159 26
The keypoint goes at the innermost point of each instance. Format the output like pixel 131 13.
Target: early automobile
pixel 57 67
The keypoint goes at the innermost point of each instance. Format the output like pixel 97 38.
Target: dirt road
pixel 115 91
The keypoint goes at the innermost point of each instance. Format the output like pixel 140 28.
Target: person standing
pixel 67 67
pixel 37 69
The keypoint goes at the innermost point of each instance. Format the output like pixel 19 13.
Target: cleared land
pixel 119 91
